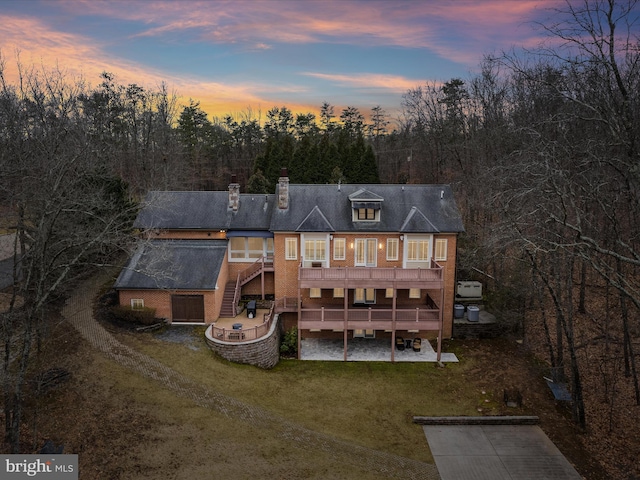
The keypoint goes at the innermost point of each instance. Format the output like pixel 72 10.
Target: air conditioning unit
pixel 469 290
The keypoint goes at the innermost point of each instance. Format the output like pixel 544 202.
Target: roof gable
pixel 364 195
pixel 416 221
pixel 316 221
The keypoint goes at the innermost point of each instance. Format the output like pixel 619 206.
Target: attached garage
pixel 187 308
pixel 177 278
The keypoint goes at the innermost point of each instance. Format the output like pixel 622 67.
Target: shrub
pixel 289 344
pixel 142 316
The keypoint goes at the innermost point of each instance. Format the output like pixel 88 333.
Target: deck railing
pixel 245 334
pixel 286 304
pixel 372 273
pixel 323 314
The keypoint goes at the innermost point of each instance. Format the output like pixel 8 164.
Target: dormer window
pixel 366 214
pixel 365 206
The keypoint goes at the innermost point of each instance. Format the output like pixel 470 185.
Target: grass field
pixel 126 426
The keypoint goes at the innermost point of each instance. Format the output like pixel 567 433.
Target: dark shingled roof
pixel 403 208
pixel 204 211
pixel 174 265
pixel 312 208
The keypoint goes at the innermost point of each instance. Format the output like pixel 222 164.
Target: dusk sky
pixel 232 55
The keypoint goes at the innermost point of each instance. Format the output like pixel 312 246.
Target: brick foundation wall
pixel 263 352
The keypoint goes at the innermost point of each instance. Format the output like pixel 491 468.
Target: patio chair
pixel 417 344
pixel 399 343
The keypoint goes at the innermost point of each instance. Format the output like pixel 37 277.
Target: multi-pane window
pixel 366 214
pixel 314 250
pixel 366 252
pixel 392 249
pixel 441 249
pixel 339 249
pixel 291 248
pixel 137 303
pixel 418 250
pixel 249 248
pixel 236 246
pixel 338 293
pixel 365 295
pixel 255 247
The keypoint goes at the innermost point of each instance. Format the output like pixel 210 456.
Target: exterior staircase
pixel 232 289
pixel 228 308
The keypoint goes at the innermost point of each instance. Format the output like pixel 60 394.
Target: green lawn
pixel 368 403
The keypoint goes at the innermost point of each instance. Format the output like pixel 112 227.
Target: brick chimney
pixel 283 190
pixel 234 193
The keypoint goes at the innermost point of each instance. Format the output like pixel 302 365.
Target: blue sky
pixel 240 54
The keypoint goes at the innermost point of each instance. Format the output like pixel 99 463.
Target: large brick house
pixel 340 261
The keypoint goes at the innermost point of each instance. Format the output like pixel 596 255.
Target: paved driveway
pixel 496 452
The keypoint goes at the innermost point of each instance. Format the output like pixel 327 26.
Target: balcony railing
pixel 323 314
pixel 433 274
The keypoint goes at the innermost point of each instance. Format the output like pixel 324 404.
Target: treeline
pixel 313 150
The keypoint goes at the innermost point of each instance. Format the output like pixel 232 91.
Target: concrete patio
pixel 367 350
pixel 495 450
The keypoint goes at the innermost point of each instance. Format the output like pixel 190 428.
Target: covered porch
pixel 368 350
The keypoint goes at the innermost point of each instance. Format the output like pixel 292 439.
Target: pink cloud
pixel 393 83
pixel 415 24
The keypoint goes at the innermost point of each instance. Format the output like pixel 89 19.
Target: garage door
pixel 187 308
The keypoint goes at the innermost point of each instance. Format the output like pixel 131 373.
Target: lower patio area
pixel 367 350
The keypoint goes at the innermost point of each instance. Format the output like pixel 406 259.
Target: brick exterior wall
pixel 284 282
pixel 449 266
pixel 161 301
pixel 287 271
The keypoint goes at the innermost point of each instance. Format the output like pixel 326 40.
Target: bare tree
pixel 71 214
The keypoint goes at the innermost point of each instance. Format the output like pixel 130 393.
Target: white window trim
pixel 136 300
pixel 397 247
pixel 288 253
pixel 246 257
pixel 304 238
pixel 440 241
pixel 336 242
pixel 368 242
pixel 405 254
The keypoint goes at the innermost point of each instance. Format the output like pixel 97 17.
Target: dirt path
pixel 78 311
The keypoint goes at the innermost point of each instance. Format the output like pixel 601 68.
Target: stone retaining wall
pixel 263 352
